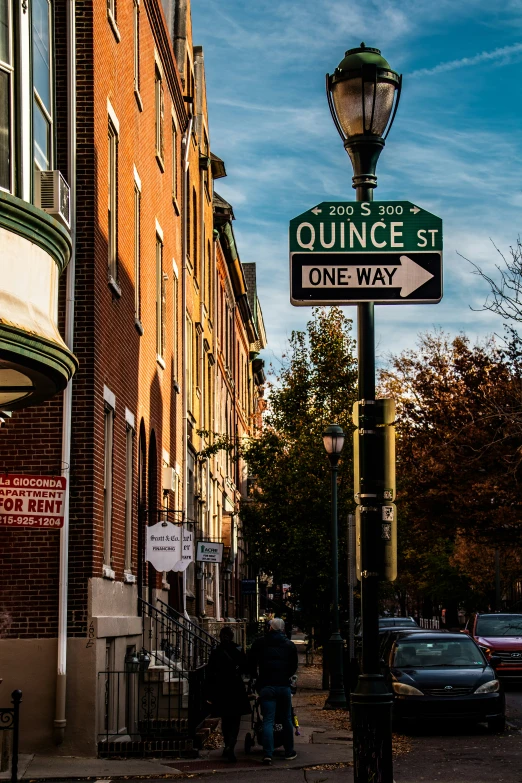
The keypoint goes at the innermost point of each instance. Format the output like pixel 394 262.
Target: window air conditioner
pixel 52 194
pixel 169 479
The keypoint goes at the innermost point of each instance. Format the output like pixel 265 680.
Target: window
pixel 198 339
pixel 195 232
pixel 137 45
pixel 175 335
pixel 137 252
pixel 6 96
pixel 190 363
pixel 160 113
pixel 42 86
pixel 107 489
pixel 112 226
pixel 210 273
pixel 160 299
pixel 174 162
pixel 189 226
pixel 129 487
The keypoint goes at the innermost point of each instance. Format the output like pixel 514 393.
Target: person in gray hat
pixel 273 660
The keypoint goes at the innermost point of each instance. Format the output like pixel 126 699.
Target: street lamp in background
pixel 363 95
pixel 333 439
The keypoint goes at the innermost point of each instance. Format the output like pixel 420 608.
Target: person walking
pixel 225 688
pixel 273 660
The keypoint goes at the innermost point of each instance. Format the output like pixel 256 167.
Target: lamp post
pixel 363 95
pixel 333 439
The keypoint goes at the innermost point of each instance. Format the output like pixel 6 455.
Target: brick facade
pixel 121 369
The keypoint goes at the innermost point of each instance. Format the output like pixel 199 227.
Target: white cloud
pixel 502 53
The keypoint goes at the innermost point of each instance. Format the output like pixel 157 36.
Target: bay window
pixel 6 95
pixel 42 85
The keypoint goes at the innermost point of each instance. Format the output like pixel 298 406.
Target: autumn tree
pixel 287 517
pixel 458 461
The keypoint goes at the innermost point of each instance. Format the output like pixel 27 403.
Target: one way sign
pixel 389 252
pixel 348 278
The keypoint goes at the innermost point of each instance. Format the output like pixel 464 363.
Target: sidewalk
pixel 320 744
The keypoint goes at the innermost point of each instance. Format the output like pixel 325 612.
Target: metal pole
pixel 497 580
pixel 336 698
pixel 371 704
pixel 351 586
pixel 16 698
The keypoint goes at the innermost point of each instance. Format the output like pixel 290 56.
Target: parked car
pixel 388 622
pixel 501 635
pixel 438 675
pixel 397 622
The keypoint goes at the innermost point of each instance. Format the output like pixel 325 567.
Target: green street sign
pixel 381 251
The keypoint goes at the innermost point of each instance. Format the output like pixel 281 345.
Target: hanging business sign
pixel 388 252
pixel 32 501
pixel 187 551
pixel 163 546
pixel 209 552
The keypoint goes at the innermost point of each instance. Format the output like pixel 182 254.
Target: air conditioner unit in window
pixel 53 195
pixel 169 479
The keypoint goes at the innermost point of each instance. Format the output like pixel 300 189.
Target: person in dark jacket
pixel 226 691
pixel 273 660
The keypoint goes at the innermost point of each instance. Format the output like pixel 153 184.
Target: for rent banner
pixel 32 501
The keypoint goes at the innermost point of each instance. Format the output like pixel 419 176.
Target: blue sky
pixel 455 148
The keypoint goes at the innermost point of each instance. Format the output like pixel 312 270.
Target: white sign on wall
pixel 163 546
pixel 209 552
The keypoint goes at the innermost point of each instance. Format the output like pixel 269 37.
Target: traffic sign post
pixel 387 252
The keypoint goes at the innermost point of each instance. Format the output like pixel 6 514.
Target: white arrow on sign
pixel 408 276
pixel 415 210
pixel 316 210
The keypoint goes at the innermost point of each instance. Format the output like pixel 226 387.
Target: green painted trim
pixel 45 356
pixel 36 226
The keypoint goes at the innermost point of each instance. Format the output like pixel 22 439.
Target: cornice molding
pixel 36 226
pixel 166 52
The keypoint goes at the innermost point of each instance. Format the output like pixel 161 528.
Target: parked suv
pixel 500 635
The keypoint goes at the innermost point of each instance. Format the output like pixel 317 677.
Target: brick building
pixel 141 309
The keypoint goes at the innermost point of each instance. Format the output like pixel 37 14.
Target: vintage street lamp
pixel 363 95
pixel 333 439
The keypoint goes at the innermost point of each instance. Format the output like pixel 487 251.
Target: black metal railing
pixel 10 721
pixel 173 640
pixel 205 641
pixel 146 713
pixel 155 706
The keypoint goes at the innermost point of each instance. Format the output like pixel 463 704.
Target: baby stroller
pixel 255 736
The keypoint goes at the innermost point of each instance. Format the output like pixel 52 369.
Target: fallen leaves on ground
pixel 401 744
pixel 340 719
pixel 214 740
pixel 336 765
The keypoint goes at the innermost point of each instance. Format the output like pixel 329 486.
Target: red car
pixel 499 635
